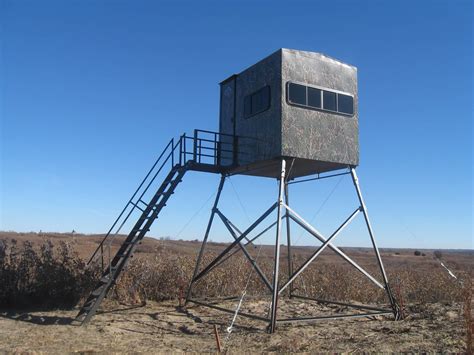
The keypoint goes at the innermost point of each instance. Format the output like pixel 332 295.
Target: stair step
pixel 86 309
pixel 149 213
pixel 89 303
pixel 80 315
pixel 98 291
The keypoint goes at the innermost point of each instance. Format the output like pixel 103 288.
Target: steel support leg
pixel 276 268
pixel 393 303
pixel 206 236
pixel 288 239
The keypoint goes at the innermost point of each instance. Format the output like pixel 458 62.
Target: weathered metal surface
pixel 319 141
pixel 259 136
pixel 312 134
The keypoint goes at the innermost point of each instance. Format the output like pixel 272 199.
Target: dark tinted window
pixel 257 102
pixel 345 104
pixel 314 97
pixel 329 100
pixel 247 106
pixel 261 100
pixel 321 99
pixel 297 94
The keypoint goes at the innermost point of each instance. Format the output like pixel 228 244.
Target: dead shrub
pixel 54 276
pixel 48 277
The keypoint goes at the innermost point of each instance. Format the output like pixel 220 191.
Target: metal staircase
pixel 204 151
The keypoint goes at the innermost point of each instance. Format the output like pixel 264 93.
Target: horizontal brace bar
pixel 215 133
pixel 135 205
pixel 225 150
pixel 205 155
pixel 219 299
pixel 243 314
pixel 357 306
pixel 317 178
pixel 206 147
pixel 337 316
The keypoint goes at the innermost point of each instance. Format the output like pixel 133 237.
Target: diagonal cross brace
pixel 239 231
pixel 227 223
pixel 250 241
pixel 319 250
pixel 239 239
pixel 295 217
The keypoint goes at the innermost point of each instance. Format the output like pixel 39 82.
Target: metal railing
pixel 202 148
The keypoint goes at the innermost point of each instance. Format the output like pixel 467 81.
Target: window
pixel 297 94
pixel 329 100
pixel 257 102
pixel 345 104
pixel 320 99
pixel 314 97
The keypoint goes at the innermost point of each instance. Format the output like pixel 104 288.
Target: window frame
pixel 254 93
pixel 337 102
pixel 322 89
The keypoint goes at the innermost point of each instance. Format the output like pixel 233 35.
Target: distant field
pixel 86 244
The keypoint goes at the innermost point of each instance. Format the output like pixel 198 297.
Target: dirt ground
pixel 164 327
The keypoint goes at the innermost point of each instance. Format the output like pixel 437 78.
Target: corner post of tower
pixel 393 302
pixel 276 268
pixel 288 238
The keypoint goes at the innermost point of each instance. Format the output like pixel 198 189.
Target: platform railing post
pixel 235 151
pixel 374 243
pixel 181 152
pixel 195 145
pixel 206 235
pixel 172 152
pixel 276 268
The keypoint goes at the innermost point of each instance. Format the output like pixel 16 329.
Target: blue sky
pixel 91 91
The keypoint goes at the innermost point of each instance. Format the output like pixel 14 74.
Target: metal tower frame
pixel 274 286
pixel 202 152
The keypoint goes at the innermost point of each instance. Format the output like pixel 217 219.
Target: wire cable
pixel 239 200
pixel 194 215
pixel 321 207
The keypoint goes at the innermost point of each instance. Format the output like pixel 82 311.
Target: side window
pixel 320 99
pixel 329 100
pixel 297 94
pixel 314 97
pixel 345 104
pixel 257 102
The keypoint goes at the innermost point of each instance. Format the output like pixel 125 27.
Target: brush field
pixel 43 278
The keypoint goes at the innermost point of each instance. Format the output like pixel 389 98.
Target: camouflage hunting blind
pixel 292 114
pixel 292 104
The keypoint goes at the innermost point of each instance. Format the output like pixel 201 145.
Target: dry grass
pixel 51 274
pixel 467 313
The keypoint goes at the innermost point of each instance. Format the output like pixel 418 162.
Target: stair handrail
pixel 130 201
pixel 182 159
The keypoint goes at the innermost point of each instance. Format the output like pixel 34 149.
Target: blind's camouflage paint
pixel 319 141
